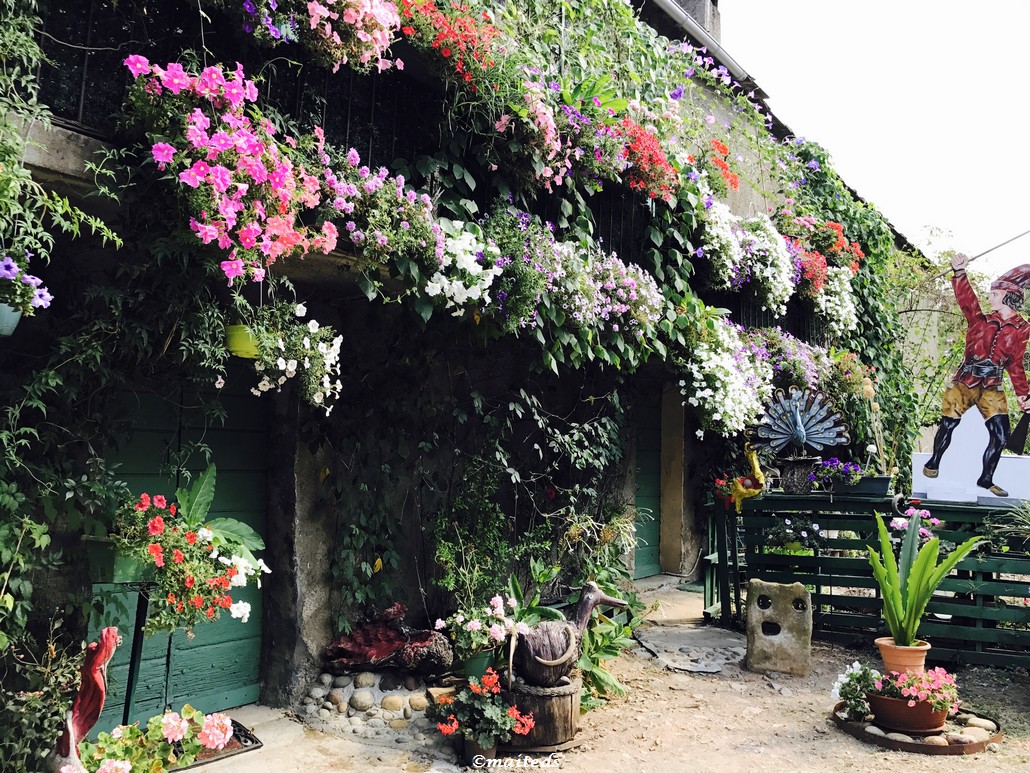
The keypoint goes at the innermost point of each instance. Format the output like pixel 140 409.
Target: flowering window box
pixel 869 486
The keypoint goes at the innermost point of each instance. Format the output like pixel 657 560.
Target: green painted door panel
pixel 218 668
pixel 647 561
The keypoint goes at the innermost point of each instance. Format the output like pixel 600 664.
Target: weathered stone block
pixel 779 628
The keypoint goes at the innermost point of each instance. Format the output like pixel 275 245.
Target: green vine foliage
pixel 880 335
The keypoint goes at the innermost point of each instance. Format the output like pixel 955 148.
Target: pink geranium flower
pixel 173 727
pixel 216 732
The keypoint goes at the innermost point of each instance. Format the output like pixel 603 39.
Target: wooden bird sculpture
pixel 88 704
pixel 549 650
pixel 748 486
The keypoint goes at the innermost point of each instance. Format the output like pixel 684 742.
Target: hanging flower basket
pixel 9 317
pixel 240 341
pixel 108 565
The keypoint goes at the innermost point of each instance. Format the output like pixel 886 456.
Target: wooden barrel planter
pixel 555 714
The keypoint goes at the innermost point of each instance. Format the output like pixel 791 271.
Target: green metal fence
pixel 982 612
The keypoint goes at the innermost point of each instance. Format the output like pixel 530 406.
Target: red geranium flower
pixel 156 525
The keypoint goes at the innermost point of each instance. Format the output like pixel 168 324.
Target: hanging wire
pixel 203 42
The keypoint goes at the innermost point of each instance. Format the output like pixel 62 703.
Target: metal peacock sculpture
pixel 801 418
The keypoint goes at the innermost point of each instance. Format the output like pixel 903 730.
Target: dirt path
pixel 738 722
pixel 730 722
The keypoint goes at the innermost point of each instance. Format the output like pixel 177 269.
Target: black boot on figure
pixel 998 434
pixel 941 441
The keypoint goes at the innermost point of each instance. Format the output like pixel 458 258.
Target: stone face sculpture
pixel 779 628
pixel 549 650
pixel 88 704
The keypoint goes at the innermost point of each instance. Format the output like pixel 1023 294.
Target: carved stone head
pixel 779 628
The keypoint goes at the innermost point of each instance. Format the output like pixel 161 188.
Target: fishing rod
pixel 989 250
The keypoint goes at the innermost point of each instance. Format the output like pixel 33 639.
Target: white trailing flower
pixel 725 380
pixel 772 268
pixel 836 303
pixel 463 276
pixel 240 610
pixel 721 245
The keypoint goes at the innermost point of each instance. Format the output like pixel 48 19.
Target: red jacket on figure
pixel 990 341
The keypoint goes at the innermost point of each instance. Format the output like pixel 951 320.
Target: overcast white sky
pixel 924 106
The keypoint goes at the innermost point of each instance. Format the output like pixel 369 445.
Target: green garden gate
pixel 982 615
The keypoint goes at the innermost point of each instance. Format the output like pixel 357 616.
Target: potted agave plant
pixel 907 584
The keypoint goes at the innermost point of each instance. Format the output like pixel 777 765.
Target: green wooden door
pixel 218 668
pixel 649 480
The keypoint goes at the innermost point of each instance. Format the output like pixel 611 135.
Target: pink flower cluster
pixel 216 732
pixel 251 187
pixel 556 150
pixel 356 29
pixel 936 685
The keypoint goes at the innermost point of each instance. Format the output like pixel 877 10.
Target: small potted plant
pixel 832 472
pixel 20 293
pixel 170 740
pixel 196 561
pixel 907 703
pixel 482 715
pixel 476 634
pixel 906 584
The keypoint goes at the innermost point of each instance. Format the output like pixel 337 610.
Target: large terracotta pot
pixel 904 660
pixel 896 714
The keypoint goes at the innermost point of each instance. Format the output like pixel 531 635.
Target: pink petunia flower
pixel 232 268
pixel 162 153
pixel 138 65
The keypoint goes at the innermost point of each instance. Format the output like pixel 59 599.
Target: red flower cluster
pixel 480 712
pixel 650 170
pixel 830 237
pixel 814 271
pixel 718 160
pixel 193 585
pixel 459 36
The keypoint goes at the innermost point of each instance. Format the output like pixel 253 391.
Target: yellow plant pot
pixel 240 341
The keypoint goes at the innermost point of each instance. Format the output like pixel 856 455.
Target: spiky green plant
pixel 907 588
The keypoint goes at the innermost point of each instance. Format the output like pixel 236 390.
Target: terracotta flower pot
pixel 904 660
pixel 475 754
pixel 896 714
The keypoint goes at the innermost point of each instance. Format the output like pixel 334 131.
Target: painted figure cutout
pixel 995 342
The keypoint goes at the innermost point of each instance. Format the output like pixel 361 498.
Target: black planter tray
pixel 857 729
pixel 247 740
